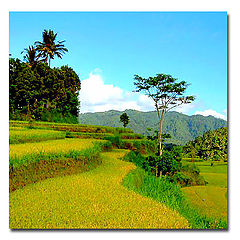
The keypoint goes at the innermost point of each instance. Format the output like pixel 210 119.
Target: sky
pixel 106 50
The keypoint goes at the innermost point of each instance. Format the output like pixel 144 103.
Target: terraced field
pixel 53 146
pixel 94 199
pixel 23 135
pixel 212 198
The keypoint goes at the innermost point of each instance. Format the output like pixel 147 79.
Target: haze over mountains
pixel 181 127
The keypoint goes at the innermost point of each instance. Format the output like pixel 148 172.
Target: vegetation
pixel 163 191
pixel 74 128
pixel 124 118
pixel 26 153
pixel 169 165
pixel 48 48
pixel 166 94
pixel 89 201
pixel 33 135
pixel 182 128
pixel 212 145
pixel 50 163
pixel 39 92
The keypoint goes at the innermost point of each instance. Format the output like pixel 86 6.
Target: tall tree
pixel 30 57
pixel 48 48
pixel 124 118
pixel 166 94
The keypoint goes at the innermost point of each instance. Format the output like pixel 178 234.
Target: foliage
pixel 31 57
pixel 169 165
pixel 189 175
pixel 166 94
pixel 33 92
pixel 166 163
pixel 124 118
pixel 212 145
pixel 48 48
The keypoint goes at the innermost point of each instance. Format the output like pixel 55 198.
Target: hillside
pixel 183 128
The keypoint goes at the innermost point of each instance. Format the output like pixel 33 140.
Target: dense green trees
pixel 35 91
pixel 211 146
pixel 40 92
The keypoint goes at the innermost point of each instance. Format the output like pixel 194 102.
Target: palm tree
pixel 48 48
pixel 31 57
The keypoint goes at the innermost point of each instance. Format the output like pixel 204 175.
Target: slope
pixel 95 199
pixel 181 127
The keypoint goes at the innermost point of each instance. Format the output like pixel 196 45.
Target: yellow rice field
pixel 21 135
pixel 51 146
pixel 90 200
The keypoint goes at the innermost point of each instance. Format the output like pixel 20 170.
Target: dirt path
pixel 94 199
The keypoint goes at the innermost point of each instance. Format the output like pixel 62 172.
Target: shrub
pixel 115 140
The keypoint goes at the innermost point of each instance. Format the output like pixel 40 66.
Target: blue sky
pixel 107 49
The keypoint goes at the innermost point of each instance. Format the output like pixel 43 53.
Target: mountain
pixel 181 127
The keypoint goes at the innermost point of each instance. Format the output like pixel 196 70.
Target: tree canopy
pixel 166 94
pixel 33 91
pixel 211 146
pixel 124 118
pixel 48 48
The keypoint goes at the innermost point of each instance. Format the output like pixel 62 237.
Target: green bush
pixel 115 140
pixel 58 117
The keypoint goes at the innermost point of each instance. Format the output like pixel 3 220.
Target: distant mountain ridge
pixel 181 127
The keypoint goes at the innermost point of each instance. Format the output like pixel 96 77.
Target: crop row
pixel 70 127
pixel 37 167
pixel 24 135
pixel 26 153
pixel 102 135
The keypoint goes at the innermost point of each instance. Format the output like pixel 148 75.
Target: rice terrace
pixel 84 154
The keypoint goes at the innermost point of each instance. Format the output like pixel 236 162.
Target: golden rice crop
pixel 94 199
pixel 51 146
pixel 21 135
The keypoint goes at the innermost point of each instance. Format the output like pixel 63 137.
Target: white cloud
pixel 212 113
pixel 186 108
pixel 96 96
pixel 95 92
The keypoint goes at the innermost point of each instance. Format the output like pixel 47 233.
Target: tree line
pixel 36 90
pixel 211 146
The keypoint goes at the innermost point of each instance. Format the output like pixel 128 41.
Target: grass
pixel 90 200
pixel 209 200
pixel 27 153
pixel 49 166
pixel 215 175
pixel 33 135
pixel 212 198
pixel 70 127
pixel 171 195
